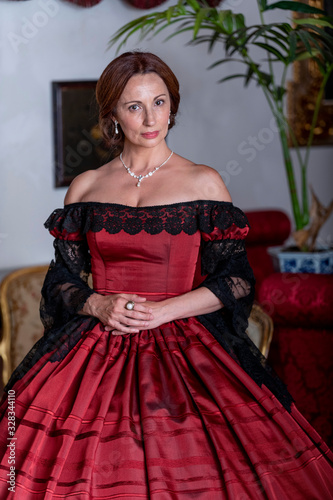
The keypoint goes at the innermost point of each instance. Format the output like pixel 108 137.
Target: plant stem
pixel 316 112
pixel 261 83
pixel 295 144
pixel 284 76
pixel 305 198
pixel 290 130
pixel 305 202
pixel 270 65
pixel 290 173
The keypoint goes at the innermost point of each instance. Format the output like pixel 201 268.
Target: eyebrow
pixel 140 102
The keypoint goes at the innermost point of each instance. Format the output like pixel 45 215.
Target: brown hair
pixel 113 81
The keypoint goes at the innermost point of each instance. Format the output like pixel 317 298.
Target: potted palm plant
pixel 280 43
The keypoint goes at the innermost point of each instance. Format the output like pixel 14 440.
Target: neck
pixel 140 160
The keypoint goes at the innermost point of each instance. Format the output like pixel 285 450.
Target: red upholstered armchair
pixel 301 306
pixel 268 228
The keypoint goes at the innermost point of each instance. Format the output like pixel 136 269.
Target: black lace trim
pixel 185 217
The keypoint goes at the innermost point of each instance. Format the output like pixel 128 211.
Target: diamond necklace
pixel 140 177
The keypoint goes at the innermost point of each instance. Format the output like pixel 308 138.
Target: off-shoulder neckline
pixel 144 207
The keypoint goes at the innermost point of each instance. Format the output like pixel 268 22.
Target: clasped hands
pixel 111 311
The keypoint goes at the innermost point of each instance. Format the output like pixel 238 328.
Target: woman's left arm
pixel 193 303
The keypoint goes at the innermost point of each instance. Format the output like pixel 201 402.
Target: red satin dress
pixel 164 414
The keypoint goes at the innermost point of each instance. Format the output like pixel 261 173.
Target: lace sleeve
pixel 64 293
pixel 65 289
pixel 229 276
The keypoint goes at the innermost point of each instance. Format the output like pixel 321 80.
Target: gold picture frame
pixel 302 94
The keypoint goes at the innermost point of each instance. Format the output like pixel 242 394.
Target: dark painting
pixel 78 142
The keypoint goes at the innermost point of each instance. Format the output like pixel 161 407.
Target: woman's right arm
pixel 111 311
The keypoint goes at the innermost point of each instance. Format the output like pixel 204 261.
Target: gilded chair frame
pixel 265 323
pixel 6 324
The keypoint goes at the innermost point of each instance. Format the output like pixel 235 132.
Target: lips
pixel 150 135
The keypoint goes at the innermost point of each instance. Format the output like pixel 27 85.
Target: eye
pixel 134 107
pixel 159 102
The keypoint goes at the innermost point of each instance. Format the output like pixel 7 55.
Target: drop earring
pixel 169 120
pixel 116 127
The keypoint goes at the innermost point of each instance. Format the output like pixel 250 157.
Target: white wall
pixel 70 44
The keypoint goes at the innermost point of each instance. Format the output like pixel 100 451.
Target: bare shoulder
pixel 80 185
pixel 209 183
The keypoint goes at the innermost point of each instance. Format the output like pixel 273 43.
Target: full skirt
pixel 165 414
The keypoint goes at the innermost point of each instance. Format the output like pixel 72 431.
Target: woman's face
pixel 143 110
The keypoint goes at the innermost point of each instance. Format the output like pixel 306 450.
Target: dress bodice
pixel 153 265
pixel 154 251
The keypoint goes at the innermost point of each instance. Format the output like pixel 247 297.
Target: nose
pixel 149 117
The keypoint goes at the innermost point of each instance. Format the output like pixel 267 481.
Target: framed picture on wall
pixel 78 143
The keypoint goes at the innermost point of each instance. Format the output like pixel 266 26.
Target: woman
pixel 147 386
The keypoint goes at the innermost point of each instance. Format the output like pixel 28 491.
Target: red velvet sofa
pixel 301 306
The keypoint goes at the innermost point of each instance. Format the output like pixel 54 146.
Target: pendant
pixel 139 180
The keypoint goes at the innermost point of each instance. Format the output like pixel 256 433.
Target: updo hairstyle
pixel 111 85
